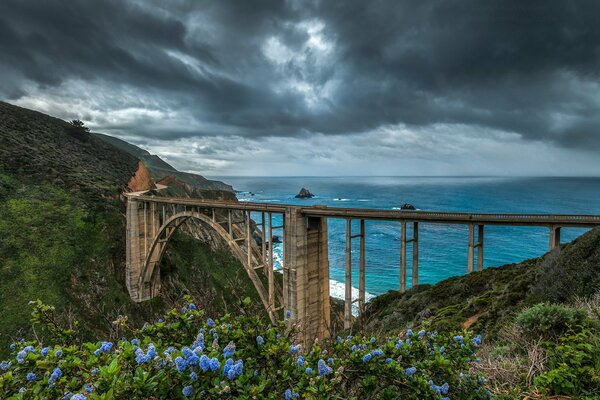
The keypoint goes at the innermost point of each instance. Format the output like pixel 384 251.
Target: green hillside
pixel 62 233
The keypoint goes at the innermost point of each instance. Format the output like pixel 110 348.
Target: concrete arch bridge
pixel 152 221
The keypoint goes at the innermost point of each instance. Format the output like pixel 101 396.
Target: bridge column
pixel 554 237
pixel 471 248
pixel 415 256
pixel 306 275
pixel 480 248
pixel 143 222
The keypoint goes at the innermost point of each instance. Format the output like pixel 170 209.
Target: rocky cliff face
pixel 141 179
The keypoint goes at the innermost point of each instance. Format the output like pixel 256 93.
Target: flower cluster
pixel 244 358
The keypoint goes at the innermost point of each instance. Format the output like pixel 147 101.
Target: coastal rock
pixel 407 206
pixel 304 194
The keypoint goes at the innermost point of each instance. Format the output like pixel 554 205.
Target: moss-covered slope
pixel 62 233
pixel 485 300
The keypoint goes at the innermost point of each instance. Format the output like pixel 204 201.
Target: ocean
pixel 442 248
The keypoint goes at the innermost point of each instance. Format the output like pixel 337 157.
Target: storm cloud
pixel 332 83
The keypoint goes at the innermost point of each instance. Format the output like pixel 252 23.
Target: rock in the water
pixel 407 206
pixel 304 194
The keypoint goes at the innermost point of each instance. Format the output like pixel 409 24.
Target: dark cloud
pixel 291 68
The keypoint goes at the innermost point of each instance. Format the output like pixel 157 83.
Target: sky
pixel 327 88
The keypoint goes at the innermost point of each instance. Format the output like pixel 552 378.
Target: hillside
pixel 484 301
pixel 62 232
pixel 160 169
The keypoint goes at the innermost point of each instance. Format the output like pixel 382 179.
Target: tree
pixel 80 125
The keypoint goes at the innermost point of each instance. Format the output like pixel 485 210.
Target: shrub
pixel 573 365
pixel 549 321
pixel 186 355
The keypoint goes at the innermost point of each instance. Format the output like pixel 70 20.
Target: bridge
pixel 303 297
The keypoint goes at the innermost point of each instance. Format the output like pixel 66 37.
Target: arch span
pixel 166 231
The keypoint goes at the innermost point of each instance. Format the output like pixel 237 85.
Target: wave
pixel 338 199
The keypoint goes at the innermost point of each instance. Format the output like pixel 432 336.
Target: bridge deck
pixel 563 220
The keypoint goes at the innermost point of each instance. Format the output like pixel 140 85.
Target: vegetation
pixel 185 355
pixel 62 234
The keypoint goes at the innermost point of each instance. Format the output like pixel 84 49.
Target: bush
pixel 547 321
pixel 188 356
pixel 573 365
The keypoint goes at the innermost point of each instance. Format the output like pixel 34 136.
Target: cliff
pixel 62 231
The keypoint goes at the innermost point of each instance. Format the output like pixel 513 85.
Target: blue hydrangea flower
pixel 204 363
pixel 30 377
pixel 4 365
pixel 229 350
pixel 377 353
pixel 192 306
pixel 339 339
pixel 78 396
pixel 294 349
pixel 409 333
pixel 214 364
pixel 56 374
pixel 323 368
pixel 287 314
pixel 58 353
pixel 259 340
pixel 181 364
pixel 410 371
pixel 367 358
pixel 22 390
pixel 458 339
pixel 300 362
pixel 388 360
pixel 188 391
pixel 353 348
pixel 289 395
pixel 89 388
pixel 135 342
pixel 421 334
pixel 330 361
pixel 308 371
pixel 44 352
pixel 12 346
pixel 373 340
pixel 183 310
pixel 477 340
pixel 104 348
pixel 193 376
pixel 210 322
pixel 94 371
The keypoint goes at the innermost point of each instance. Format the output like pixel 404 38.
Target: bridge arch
pixel 168 228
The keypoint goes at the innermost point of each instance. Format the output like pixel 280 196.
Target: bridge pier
pixel 306 275
pixel 415 255
pixel 472 246
pixel 143 223
pixel 554 237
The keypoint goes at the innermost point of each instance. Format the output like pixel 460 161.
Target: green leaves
pixel 268 369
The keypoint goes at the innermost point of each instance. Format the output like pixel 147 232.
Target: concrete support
pixel 480 248
pixel 306 275
pixel 415 260
pixel 362 268
pixel 348 277
pixel 415 255
pixel 471 248
pixel 403 257
pixel 554 237
pixel 142 226
pixel 270 267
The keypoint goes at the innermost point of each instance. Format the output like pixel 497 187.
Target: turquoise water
pixel 442 248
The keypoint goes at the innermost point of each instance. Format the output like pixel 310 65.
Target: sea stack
pixel 407 206
pixel 304 194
